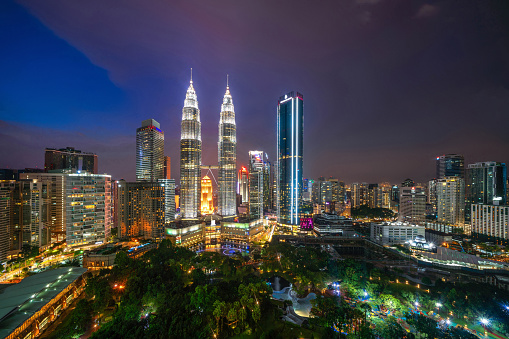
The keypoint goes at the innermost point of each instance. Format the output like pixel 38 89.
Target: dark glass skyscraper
pixel 485 184
pixel 149 151
pixel 69 158
pixel 190 157
pixel 450 165
pixel 290 131
pixel 227 157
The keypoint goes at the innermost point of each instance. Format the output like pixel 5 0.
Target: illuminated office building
pixel 190 157
pixel 227 154
pixel 243 185
pixel 451 201
pixel 290 128
pixel 140 209
pixel 167 168
pixel 257 169
pixel 207 205
pixel 149 151
pixel 80 206
pixel 169 199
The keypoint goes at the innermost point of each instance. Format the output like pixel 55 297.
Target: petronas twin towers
pixel 190 157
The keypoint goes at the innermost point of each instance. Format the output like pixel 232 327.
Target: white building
pixel 412 205
pixel 391 233
pixel 490 220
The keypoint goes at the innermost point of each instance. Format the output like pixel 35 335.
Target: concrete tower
pixel 227 157
pixel 190 156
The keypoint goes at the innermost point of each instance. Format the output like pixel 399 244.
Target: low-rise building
pixel 437 237
pixel 27 308
pixel 392 233
pixel 333 225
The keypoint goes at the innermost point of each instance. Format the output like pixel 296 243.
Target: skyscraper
pixel 149 151
pixel 243 183
pixel 79 206
pixel 290 130
pixel 190 156
pixel 256 183
pixel 227 157
pixel 485 184
pixel 451 201
pixel 450 165
pixel 167 168
pixel 69 158
pixel 141 209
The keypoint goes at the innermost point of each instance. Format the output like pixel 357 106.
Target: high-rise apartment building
pixel 69 159
pixel 190 157
pixel 5 210
pixel 450 165
pixel 359 193
pixel 412 205
pixel 28 214
pixel 167 168
pixel 290 132
pixel 141 209
pixel 451 201
pixel 80 206
pixel 149 151
pixel 490 222
pixel 486 183
pixel 227 154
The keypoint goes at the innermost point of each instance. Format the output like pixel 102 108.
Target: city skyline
pixel 395 112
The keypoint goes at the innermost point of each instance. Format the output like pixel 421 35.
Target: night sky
pixel 388 84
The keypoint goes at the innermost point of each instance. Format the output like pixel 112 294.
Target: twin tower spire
pixel 190 156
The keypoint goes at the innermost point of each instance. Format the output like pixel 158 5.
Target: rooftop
pixel 21 301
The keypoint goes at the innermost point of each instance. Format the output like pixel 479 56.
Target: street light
pixel 484 322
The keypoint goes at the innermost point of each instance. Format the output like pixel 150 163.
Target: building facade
pixel 491 221
pixel 451 201
pixel 141 209
pixel 393 233
pixel 290 132
pixel 227 158
pixel 486 183
pixel 412 205
pixel 190 157
pixel 70 159
pixel 149 151
pixel 450 165
pixel 79 206
pixel 243 185
pixel 207 203
pixel 257 178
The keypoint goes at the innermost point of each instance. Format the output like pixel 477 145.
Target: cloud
pixel 367 2
pixel 426 11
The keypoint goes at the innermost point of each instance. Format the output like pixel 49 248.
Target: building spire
pixel 227 76
pixel 191 75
